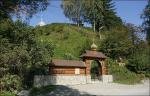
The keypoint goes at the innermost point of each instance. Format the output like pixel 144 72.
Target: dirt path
pixel 103 89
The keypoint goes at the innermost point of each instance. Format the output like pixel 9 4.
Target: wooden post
pixel 88 66
pixel 104 67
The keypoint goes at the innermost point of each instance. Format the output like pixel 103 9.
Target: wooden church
pixel 70 72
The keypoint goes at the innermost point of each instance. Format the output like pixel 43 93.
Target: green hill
pixel 69 40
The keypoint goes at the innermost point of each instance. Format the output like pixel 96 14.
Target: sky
pixel 128 10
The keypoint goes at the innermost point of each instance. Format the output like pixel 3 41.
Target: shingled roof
pixel 67 63
pixel 93 54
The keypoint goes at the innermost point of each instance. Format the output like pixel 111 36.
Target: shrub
pixel 6 93
pixel 122 74
pixel 140 63
pixel 10 83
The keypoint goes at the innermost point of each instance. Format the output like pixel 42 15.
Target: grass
pixel 42 91
pixel 122 75
pixel 69 40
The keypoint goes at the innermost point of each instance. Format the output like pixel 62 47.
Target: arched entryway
pixel 99 72
pixel 95 70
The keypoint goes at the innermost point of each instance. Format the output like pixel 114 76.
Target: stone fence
pixel 42 80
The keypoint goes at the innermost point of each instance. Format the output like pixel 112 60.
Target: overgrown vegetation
pixel 139 62
pixel 22 56
pixel 7 93
pixel 121 74
pixel 26 51
pixel 117 43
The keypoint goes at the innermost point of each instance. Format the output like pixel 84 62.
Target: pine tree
pixel 98 13
pixel 146 23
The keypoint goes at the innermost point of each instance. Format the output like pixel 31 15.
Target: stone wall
pixel 89 80
pixel 42 80
pixel 107 78
pixel 59 80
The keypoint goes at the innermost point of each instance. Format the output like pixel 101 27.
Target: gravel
pixel 142 89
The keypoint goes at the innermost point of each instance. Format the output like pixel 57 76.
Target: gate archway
pixel 95 70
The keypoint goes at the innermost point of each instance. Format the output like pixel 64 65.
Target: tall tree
pixel 96 12
pixel 20 54
pixel 146 23
pixel 101 12
pixel 73 10
pixel 134 32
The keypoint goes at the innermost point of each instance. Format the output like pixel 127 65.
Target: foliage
pixel 100 12
pixel 117 43
pixel 19 7
pixel 21 54
pixel 41 90
pixel 122 74
pixel 146 23
pixel 134 32
pixel 10 82
pixel 139 62
pixel 7 93
pixel 18 45
pixel 73 10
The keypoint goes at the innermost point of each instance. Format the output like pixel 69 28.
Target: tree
pixel 117 43
pixel 21 54
pixel 133 30
pixel 19 7
pixel 146 23
pixel 139 62
pixel 135 36
pixel 96 12
pixel 73 10
pixel 18 45
pixel 102 12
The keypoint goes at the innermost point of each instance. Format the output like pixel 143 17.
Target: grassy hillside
pixel 69 40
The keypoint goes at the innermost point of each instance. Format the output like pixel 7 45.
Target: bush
pixel 140 63
pixel 6 93
pixel 122 74
pixel 20 54
pixel 10 83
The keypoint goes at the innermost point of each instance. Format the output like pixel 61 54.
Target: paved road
pixel 103 89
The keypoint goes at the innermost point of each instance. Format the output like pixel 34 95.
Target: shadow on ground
pixel 66 91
